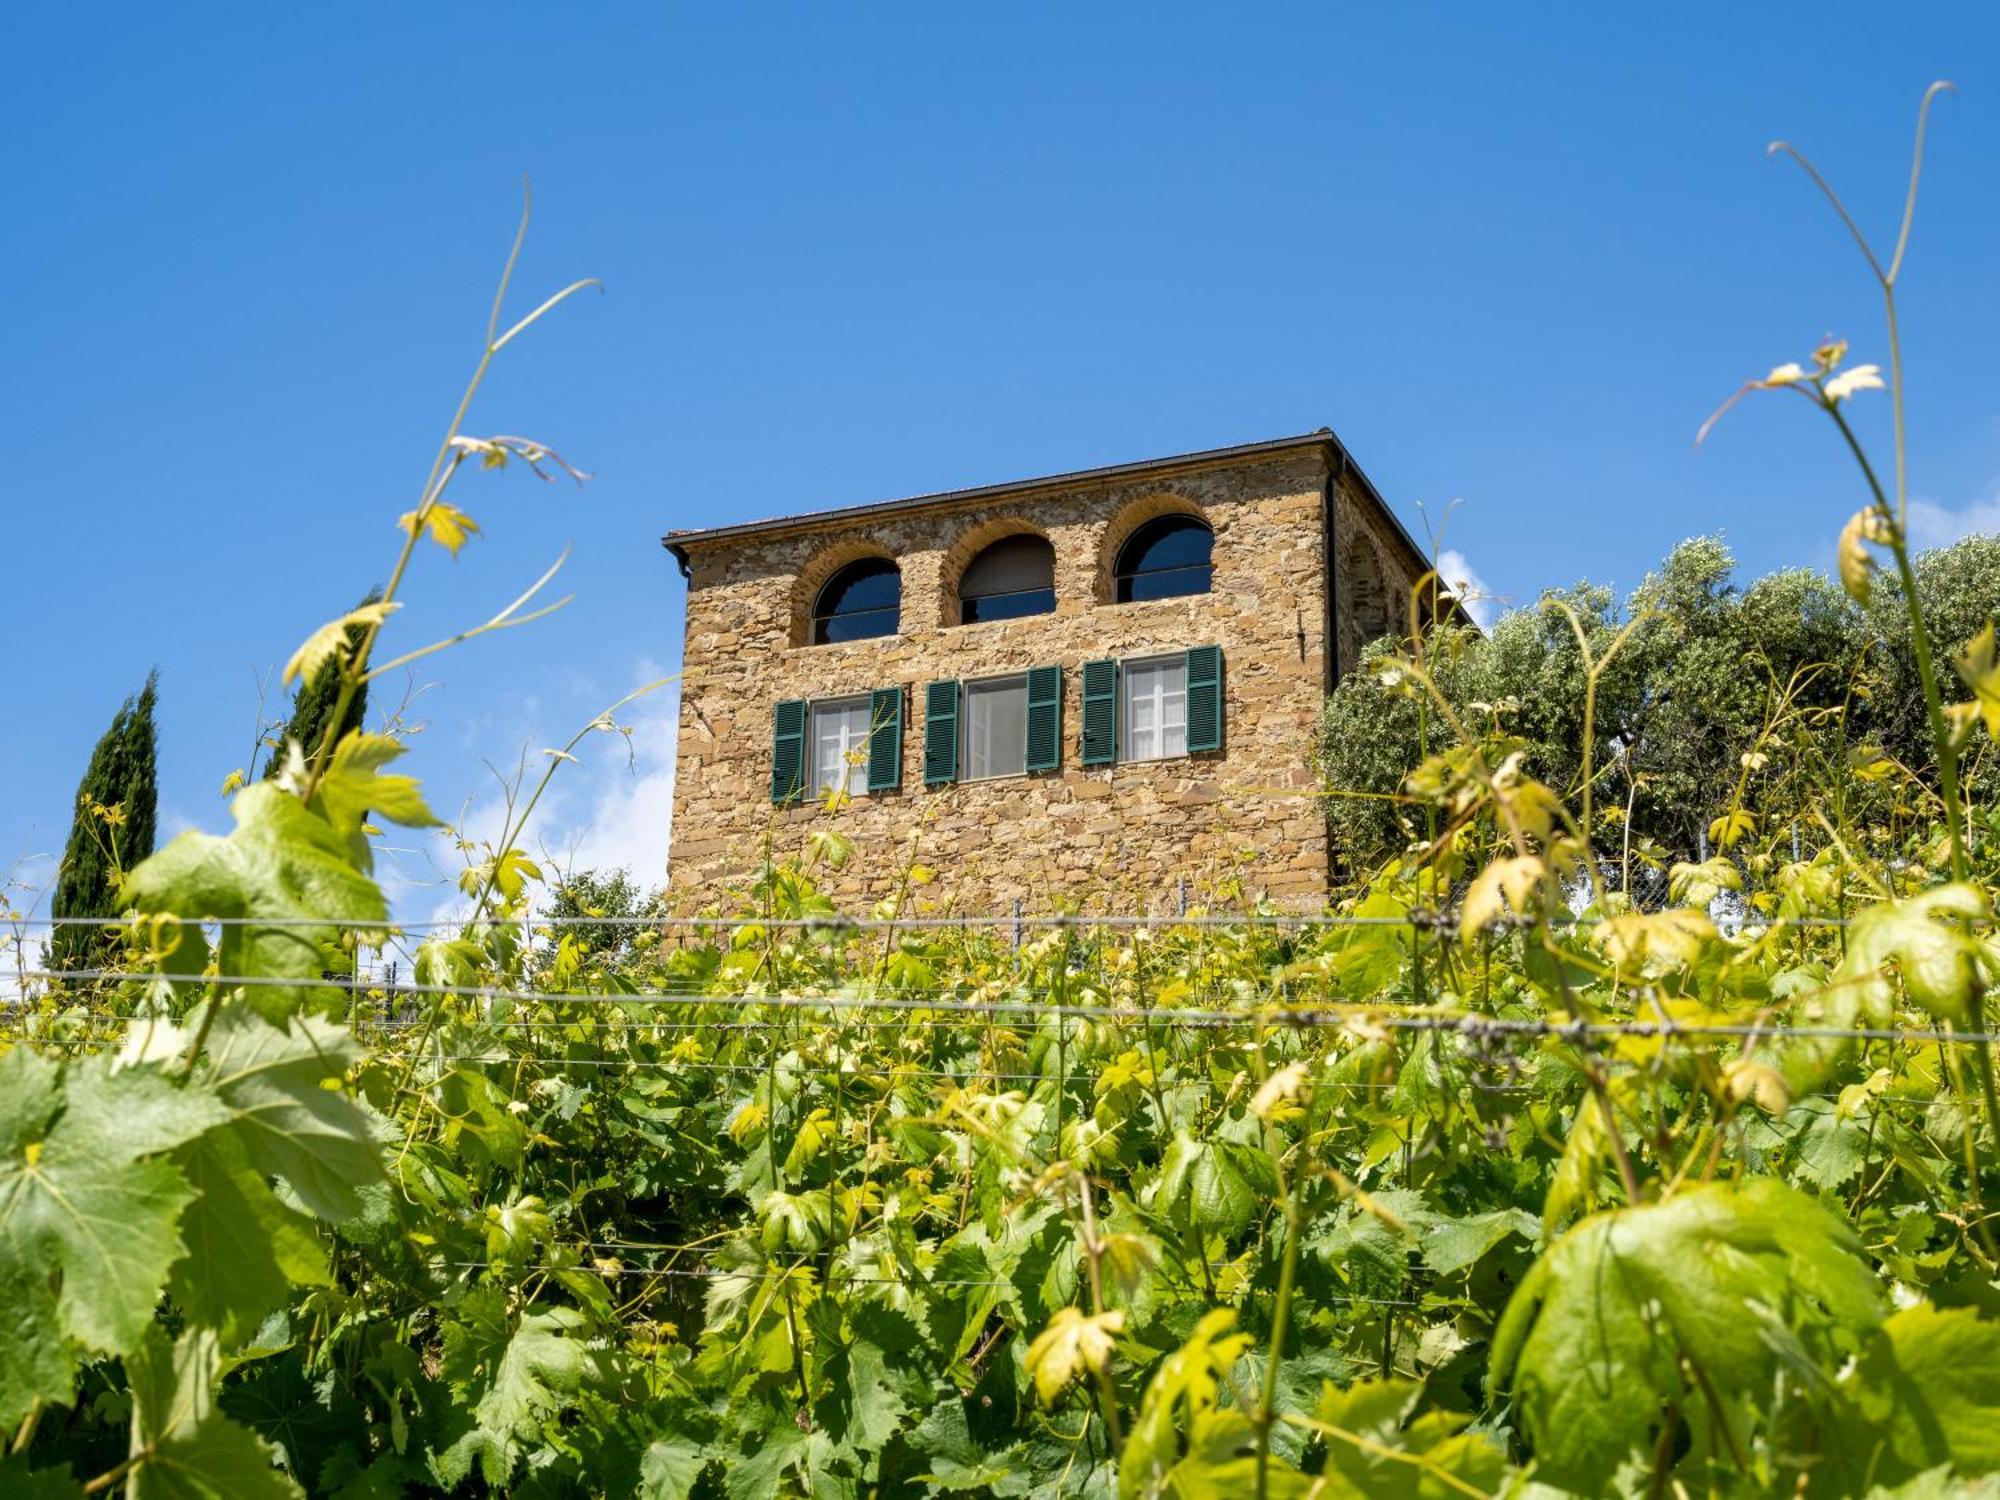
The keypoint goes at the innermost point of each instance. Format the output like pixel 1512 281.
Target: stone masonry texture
pixel 1123 838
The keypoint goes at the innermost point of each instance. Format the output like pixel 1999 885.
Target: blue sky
pixel 1512 255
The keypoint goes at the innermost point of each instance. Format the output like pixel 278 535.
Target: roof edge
pixel 675 541
pixel 1323 437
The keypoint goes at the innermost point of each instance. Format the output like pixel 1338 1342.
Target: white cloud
pixel 611 806
pixel 1934 525
pixel 1462 579
pixel 623 800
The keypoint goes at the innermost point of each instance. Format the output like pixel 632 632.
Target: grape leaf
pixel 1593 1339
pixel 245 1249
pixel 1938 960
pixel 1183 1393
pixel 956 1462
pixel 1211 1186
pixel 1830 1146
pixel 755 1475
pixel 272 1080
pixel 671 1467
pixel 1377 1451
pixel 535 1374
pixel 316 1420
pixel 354 787
pixel 36 1360
pixel 84 1193
pixel 188 1450
pixel 282 863
pixel 1928 1388
pixel 862 1406
pixel 1453 1244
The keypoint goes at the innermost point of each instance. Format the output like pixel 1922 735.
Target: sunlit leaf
pixel 1857 564
pixel 89 1212
pixel 1505 888
pixel 282 863
pixel 444 523
pixel 331 638
pixel 1979 665
pixel 1073 1344
pixel 1925 939
pixel 1610 1322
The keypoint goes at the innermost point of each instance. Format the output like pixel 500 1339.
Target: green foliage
pixel 190 1164
pixel 89 1210
pixel 1707 671
pixel 117 814
pixel 1923 1395
pixel 183 1448
pixel 292 879
pixel 599 916
pixel 1683 1307
pixel 1457 1197
pixel 1958 590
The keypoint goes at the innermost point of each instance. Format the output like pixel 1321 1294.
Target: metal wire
pixel 1428 920
pixel 1280 1015
pixel 717 1273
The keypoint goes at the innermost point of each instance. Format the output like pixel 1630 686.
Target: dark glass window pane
pixel 1165 558
pixel 1008 606
pixel 857 626
pixel 861 600
pixel 1013 577
pixel 1166 583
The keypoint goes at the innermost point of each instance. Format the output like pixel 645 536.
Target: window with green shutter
pixel 1204 699
pixel 788 750
pixel 885 739
pixel 1044 718
pixel 1100 713
pixel 941 733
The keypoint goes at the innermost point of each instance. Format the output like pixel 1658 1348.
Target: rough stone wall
pixel 1118 837
pixel 1373 574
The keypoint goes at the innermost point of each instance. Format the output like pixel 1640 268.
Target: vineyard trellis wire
pixel 633 1016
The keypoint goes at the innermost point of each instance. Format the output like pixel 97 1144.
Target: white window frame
pixel 1162 699
pixel 968 694
pixel 850 742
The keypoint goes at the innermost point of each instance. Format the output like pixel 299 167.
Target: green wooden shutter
pixel 941 733
pixel 1204 698
pixel 1044 718
pixel 1100 713
pixel 788 750
pixel 885 739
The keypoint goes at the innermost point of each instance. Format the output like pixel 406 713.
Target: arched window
pixel 1168 556
pixel 864 598
pixel 1015 576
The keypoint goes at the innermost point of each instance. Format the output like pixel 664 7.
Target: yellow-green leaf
pixel 1651 944
pixel 447 525
pixel 331 638
pixel 353 787
pixel 1978 665
pixel 1857 565
pixel 1504 887
pixel 1926 939
pixel 1731 827
pixel 1074 1343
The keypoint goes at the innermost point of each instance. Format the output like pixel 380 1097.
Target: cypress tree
pixel 312 707
pixel 123 780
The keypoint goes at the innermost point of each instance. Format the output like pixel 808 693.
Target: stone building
pixel 1099 686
